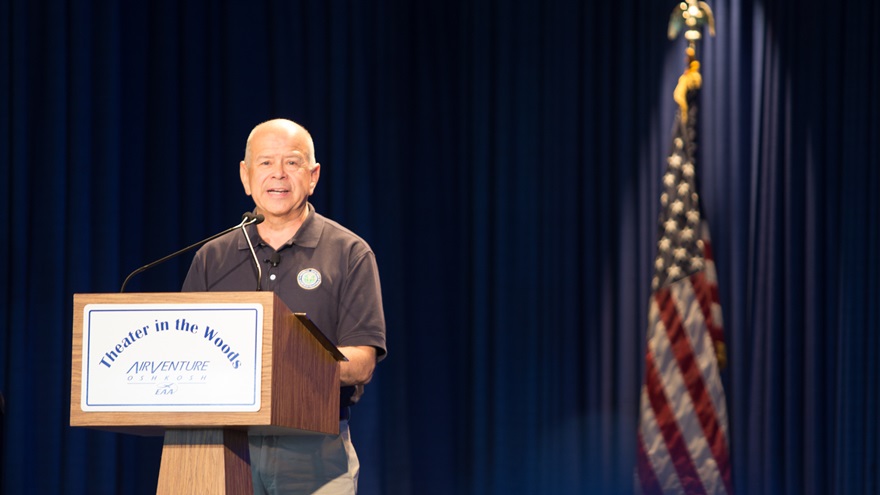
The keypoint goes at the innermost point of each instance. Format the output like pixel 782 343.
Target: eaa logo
pixel 166 389
pixel 309 278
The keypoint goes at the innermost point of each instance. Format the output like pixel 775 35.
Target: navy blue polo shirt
pixel 325 271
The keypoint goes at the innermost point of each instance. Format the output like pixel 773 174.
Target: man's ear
pixel 314 175
pixel 243 172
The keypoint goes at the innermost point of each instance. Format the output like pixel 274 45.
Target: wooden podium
pixel 205 450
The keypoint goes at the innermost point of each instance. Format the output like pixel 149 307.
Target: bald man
pixel 316 266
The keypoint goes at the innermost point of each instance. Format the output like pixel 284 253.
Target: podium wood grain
pixel 207 461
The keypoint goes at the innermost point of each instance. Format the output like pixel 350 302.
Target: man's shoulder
pixel 336 233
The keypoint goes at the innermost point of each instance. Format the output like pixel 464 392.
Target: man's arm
pixel 358 370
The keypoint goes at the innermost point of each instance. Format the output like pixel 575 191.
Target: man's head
pixel 279 170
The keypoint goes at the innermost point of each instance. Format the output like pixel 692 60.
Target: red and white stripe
pixel 683 433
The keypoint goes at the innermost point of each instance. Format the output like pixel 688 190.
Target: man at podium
pixel 316 266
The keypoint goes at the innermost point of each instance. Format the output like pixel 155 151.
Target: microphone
pixel 257 219
pixel 251 218
pixel 246 219
pixel 275 259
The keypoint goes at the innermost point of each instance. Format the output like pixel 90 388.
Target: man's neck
pixel 276 231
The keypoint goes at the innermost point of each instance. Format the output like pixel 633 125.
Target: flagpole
pixel 683 442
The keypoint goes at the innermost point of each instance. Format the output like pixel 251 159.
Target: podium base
pixel 205 461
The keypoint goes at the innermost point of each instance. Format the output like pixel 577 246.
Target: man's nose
pixel 278 170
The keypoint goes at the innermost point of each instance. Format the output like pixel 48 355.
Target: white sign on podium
pixel 172 357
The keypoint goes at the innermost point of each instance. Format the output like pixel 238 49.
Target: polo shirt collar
pixel 307 235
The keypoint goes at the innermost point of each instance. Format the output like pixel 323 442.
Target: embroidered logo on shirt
pixel 309 278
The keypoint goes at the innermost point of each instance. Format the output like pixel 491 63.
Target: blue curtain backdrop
pixel 504 161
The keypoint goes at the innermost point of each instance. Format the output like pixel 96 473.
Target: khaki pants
pixel 304 464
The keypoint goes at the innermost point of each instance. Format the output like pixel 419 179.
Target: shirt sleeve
pixel 361 315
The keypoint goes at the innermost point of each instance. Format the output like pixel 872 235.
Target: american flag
pixel 683 434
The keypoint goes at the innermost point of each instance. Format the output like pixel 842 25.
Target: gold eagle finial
pixel 691 15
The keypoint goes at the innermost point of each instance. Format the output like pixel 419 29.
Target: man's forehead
pixel 272 151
